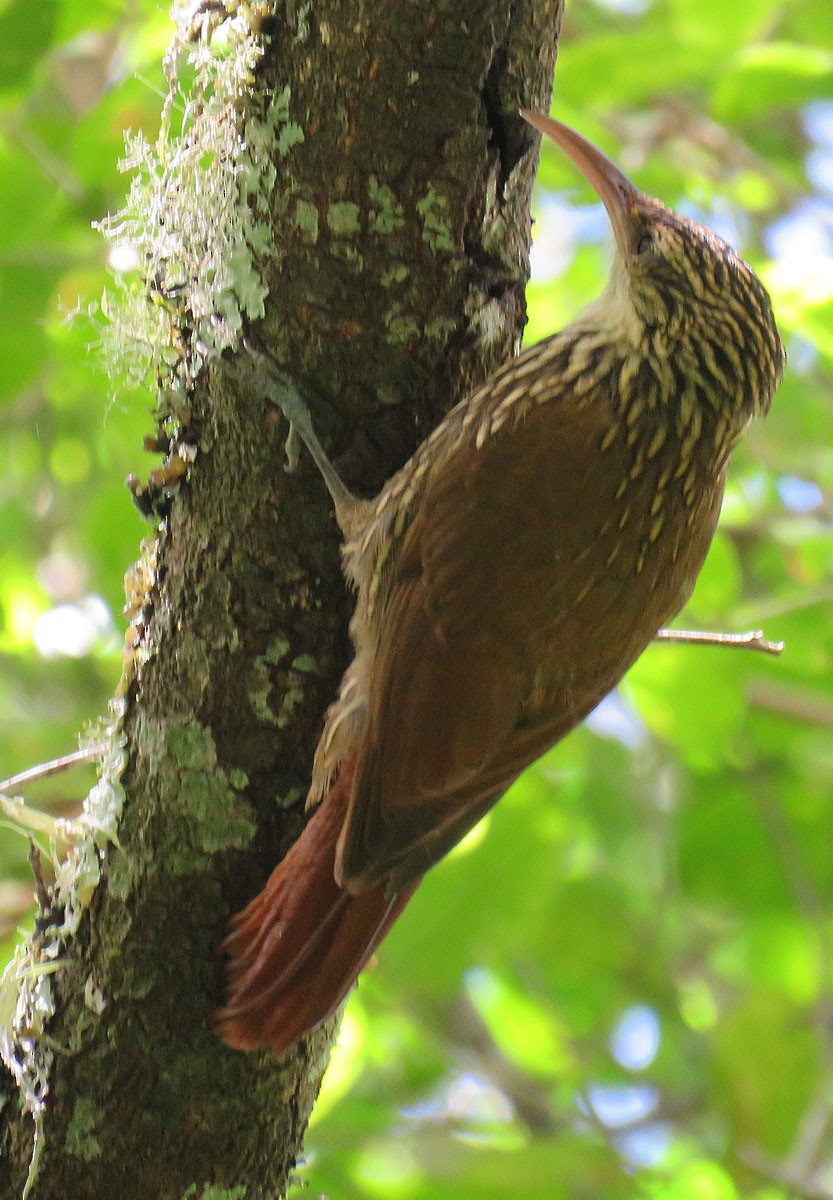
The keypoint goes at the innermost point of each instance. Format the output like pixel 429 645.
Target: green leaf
pixel 26 34
pixel 789 71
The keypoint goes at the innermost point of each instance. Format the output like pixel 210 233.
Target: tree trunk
pixel 396 264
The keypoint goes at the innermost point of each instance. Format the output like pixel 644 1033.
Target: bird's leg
pixel 753 640
pixel 278 388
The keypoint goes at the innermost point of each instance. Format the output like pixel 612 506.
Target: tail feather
pixel 296 950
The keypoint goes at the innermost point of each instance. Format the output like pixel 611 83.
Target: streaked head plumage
pixel 679 290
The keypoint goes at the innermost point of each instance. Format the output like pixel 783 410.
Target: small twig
pixel 753 640
pixel 43 770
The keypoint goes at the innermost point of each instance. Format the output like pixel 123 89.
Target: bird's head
pixel 677 290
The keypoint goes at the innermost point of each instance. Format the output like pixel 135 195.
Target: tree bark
pixel 396 272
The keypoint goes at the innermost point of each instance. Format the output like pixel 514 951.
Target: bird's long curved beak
pixel 612 186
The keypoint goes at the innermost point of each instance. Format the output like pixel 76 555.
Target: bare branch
pixel 752 640
pixel 86 754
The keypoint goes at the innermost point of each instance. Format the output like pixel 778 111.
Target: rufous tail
pixel 296 950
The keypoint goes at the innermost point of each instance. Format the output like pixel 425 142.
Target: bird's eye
pixel 645 245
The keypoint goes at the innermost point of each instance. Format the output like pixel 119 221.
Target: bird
pixel 507 576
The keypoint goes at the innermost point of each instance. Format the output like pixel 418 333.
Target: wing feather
pixel 473 677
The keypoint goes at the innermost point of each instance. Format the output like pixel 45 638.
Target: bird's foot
pixel 265 373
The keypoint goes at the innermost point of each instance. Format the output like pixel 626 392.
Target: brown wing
pixel 476 672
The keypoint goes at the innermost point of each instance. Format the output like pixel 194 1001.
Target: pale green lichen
pixel 198 218
pixel 276 651
pixel 209 1191
pixel 487 318
pixel 290 797
pixel 306 218
pixel 397 273
pixel 400 327
pixel 216 817
pixel 288 136
pixel 287 684
pixel 436 226
pixel 290 700
pixel 123 871
pixel 348 253
pixel 27 998
pixel 306 664
pixel 220 821
pixel 260 690
pixel 261 686
pixel 439 329
pixel 191 747
pixel 343 218
pixel 386 215
pixel 81 1141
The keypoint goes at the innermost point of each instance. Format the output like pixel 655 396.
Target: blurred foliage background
pixel 621 985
